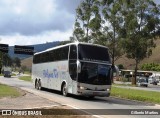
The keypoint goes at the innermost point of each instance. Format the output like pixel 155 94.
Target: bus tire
pixel 64 90
pixel 36 84
pixel 39 85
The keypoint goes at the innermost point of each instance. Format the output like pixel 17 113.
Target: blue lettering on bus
pixel 53 74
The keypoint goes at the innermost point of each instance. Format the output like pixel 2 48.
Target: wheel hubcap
pixel 64 90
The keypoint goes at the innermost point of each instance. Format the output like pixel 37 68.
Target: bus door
pixel 73 69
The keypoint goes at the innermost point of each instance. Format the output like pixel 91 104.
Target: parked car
pixel 7 71
pixel 142 81
pixel 7 74
pixel 153 81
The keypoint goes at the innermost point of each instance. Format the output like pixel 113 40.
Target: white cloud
pixel 32 17
pixel 27 22
pixel 50 36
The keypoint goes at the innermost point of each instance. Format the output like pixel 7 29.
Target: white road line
pixel 97 116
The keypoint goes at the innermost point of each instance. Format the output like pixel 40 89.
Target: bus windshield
pixel 96 74
pixel 93 53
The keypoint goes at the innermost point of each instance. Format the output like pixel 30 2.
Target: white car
pixel 142 82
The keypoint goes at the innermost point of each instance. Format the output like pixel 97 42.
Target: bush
pixel 120 66
pixel 150 67
pixel 125 79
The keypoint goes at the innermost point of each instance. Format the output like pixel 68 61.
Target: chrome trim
pixel 96 62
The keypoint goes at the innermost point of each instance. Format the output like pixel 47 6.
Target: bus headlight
pixel 83 88
pixel 108 89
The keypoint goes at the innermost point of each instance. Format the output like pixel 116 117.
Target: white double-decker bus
pixel 75 68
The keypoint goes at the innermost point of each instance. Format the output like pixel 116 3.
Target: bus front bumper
pixel 93 93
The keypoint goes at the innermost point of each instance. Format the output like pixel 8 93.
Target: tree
pixel 111 28
pixel 7 60
pixel 87 20
pixel 92 17
pixel 113 22
pixel 1 61
pixel 120 66
pixel 17 62
pixel 140 27
pixel 151 67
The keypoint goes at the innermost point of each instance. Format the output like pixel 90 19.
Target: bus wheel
pixel 64 90
pixel 36 84
pixel 39 85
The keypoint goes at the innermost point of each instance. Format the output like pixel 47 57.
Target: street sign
pixel 23 50
pixel 4 48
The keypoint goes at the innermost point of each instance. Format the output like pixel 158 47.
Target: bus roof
pixel 75 43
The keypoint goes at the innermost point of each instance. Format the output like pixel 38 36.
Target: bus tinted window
pixel 60 54
pixel 35 59
pixel 53 55
pixel 73 52
pixel 93 53
pixel 64 53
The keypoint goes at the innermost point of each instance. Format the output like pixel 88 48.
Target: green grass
pixel 140 95
pixel 123 85
pixel 27 72
pixel 7 91
pixel 13 74
pixel 25 78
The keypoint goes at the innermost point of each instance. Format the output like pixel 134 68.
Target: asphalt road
pixel 90 106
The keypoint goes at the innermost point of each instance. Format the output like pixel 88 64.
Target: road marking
pixel 157 105
pixel 97 116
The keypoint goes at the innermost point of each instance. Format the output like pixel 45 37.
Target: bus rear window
pixel 93 53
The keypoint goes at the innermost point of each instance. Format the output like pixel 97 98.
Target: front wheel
pixel 36 85
pixel 39 85
pixel 64 90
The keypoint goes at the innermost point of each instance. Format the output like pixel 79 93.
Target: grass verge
pixel 25 78
pixel 140 95
pixel 123 85
pixel 7 91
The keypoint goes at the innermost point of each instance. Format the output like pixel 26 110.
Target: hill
pixel 27 62
pixel 130 63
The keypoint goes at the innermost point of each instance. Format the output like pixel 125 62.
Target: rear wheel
pixel 64 90
pixel 39 85
pixel 36 84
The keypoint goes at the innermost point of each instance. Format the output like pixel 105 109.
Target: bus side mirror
pixel 78 66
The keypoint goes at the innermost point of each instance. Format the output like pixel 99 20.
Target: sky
pixel 27 22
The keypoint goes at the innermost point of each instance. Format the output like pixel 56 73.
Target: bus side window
pixel 73 62
pixel 73 52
